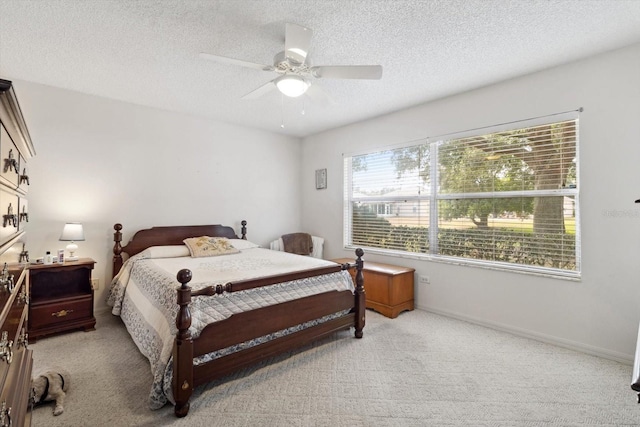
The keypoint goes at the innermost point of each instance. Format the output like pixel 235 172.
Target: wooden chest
pixel 388 288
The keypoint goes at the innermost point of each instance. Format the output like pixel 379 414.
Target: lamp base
pixel 72 248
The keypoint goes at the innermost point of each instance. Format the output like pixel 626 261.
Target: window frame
pixel 433 195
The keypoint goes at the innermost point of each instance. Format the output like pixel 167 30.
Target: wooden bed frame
pixel 243 326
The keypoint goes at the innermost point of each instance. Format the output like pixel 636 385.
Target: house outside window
pixel 504 197
pixel 383 209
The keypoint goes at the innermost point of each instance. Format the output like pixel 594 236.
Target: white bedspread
pixel 143 294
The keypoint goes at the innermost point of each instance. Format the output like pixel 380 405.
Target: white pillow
pixel 243 244
pixel 170 251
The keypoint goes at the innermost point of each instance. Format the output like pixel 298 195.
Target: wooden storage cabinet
pixel 16 361
pixel 388 288
pixel 61 298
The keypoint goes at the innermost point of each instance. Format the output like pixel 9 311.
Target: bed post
pixel 359 294
pixel 243 230
pixel 182 385
pixel 117 250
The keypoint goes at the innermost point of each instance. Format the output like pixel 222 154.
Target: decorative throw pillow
pixel 209 246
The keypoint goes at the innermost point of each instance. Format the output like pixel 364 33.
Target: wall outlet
pixel 425 280
pixel 95 284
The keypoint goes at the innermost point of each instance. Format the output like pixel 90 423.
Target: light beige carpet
pixel 420 369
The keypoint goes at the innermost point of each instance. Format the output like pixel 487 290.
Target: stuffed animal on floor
pixel 51 385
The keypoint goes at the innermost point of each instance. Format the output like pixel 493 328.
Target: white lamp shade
pixel 72 232
pixel 292 85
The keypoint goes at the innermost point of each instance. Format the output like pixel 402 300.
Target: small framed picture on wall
pixel 321 179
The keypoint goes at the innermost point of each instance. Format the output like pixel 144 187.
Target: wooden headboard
pixel 162 236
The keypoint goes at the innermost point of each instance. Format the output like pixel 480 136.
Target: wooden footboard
pixel 256 323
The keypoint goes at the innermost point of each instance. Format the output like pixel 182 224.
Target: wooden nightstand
pixel 61 298
pixel 388 288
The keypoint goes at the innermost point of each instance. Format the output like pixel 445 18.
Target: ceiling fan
pixel 294 68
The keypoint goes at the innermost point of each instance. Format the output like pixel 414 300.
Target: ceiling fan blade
pixel 297 40
pixel 262 90
pixel 369 72
pixel 233 61
pixel 319 95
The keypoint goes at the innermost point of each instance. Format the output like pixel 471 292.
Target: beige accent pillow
pixel 209 246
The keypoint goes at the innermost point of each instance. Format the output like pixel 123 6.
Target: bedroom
pixel 99 156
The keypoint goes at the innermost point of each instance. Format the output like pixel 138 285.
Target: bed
pixel 200 318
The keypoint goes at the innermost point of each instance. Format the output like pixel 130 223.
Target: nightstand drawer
pixel 64 311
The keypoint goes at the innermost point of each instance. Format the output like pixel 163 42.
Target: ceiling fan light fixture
pixel 292 85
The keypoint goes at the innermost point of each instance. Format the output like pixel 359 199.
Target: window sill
pixel 573 276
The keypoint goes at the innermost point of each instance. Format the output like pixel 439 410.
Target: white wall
pixel 600 314
pixel 100 161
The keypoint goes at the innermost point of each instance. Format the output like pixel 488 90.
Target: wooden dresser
pixel 16 360
pixel 388 288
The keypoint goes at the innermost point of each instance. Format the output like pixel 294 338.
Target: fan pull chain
pixel 282 111
pixel 303 102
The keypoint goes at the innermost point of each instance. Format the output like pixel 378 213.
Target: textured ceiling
pixel 146 51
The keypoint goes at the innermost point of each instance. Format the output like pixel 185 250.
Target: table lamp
pixel 72 232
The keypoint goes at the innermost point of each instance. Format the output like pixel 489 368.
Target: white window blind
pixel 389 195
pixel 506 198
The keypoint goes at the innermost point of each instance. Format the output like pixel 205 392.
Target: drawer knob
pixel 5 415
pixel 24 177
pixel 10 163
pixel 10 217
pixel 23 338
pixel 24 255
pixel 24 215
pixel 61 313
pixel 6 350
pixel 6 279
pixel 22 296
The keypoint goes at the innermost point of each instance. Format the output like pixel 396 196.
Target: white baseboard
pixel 626 359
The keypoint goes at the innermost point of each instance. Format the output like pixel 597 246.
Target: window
pixel 505 198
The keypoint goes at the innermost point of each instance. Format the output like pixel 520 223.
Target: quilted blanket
pixel 143 294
